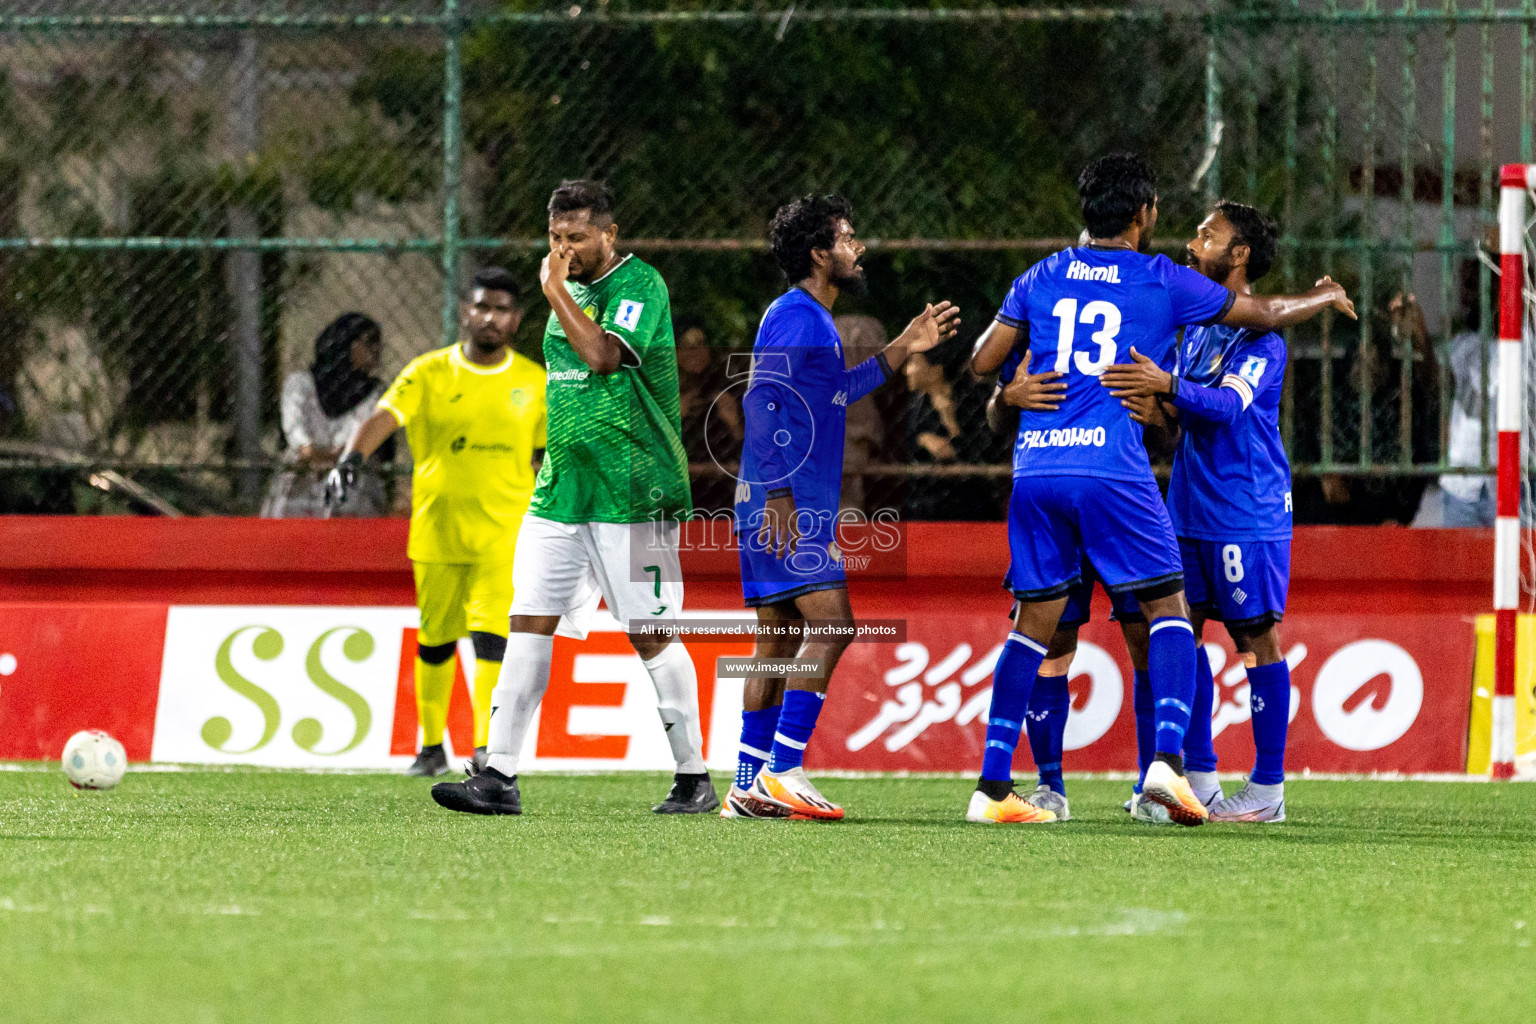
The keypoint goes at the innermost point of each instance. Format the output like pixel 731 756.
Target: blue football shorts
pixel 1241 583
pixel 816 564
pixel 1057 524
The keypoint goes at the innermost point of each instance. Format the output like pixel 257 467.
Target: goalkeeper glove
pixel 340 481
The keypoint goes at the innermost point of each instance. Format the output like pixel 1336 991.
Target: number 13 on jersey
pixel 1106 315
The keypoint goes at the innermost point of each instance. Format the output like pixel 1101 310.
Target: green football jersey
pixel 615 450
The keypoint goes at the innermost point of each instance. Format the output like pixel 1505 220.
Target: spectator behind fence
pixel 1369 500
pixel 935 438
pixel 711 417
pixel 1467 500
pixel 322 407
pixel 862 337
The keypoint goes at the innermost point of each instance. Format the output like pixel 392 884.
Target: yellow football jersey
pixel 472 430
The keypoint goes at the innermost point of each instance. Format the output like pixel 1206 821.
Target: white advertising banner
pixel 331 687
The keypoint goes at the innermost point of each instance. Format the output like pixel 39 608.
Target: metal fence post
pixel 453 141
pixel 1213 121
pixel 242 268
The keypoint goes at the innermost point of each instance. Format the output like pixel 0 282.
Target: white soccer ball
pixel 94 760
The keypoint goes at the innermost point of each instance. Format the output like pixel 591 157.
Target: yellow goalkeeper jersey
pixel 473 431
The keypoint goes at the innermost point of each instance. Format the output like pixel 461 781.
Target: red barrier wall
pixel 1362 600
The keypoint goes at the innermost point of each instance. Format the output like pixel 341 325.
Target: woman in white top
pixel 322 407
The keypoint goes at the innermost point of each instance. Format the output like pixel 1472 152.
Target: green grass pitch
pixel 276 896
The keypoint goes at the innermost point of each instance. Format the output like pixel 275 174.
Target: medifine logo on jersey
pixel 1080 271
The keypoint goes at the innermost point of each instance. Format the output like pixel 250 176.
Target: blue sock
pixel 1141 700
pixel 796 723
pixel 1171 663
pixel 1199 752
pixel 1046 722
pixel 1012 681
pixel 1269 694
pixel 756 742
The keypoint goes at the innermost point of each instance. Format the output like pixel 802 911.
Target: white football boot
pixel 739 803
pixel 1146 811
pixel 1252 804
pixel 1047 799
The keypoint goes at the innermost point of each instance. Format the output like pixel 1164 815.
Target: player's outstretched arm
pixel 933 326
pixel 993 347
pixel 1271 312
pixel 365 440
pixel 597 348
pixel 1142 381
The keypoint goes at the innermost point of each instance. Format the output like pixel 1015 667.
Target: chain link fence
pixel 190 191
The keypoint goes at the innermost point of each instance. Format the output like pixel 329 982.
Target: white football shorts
pixel 562 568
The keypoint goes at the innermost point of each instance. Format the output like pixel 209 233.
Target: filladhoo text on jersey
pixel 1069 437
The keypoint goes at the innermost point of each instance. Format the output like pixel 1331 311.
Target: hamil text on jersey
pixel 1080 271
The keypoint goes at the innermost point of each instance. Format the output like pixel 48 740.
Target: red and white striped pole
pixel 1513 182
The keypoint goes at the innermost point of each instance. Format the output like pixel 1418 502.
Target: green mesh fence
pixel 190 191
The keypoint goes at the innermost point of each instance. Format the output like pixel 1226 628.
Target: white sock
pixel 521 685
pixel 1203 783
pixel 677 700
pixel 1269 794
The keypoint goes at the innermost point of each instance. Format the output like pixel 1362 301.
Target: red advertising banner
pixel 1382 692
pixel 64 668
pixel 290 643
pixel 1386 692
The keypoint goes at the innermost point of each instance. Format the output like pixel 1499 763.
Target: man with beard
pixel 1083 488
pixel 787 496
pixel 604 517
pixel 1229 498
pixel 475 419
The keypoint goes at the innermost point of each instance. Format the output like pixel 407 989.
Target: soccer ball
pixel 94 760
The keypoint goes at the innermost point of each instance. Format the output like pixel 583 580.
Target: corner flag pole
pixel 1513 181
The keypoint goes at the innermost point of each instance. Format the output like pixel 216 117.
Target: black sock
pixel 1174 761
pixel 493 773
pixel 436 748
pixel 690 776
pixel 996 789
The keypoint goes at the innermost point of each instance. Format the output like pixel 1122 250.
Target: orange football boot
pixel 1165 786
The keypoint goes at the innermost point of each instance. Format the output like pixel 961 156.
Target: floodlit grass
pixel 274 896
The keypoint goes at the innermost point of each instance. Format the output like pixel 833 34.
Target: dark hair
pixel 801 225
pixel 497 279
pixel 337 385
pixel 576 194
pixel 1112 189
pixel 1256 230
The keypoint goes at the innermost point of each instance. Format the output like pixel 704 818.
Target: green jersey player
pixel 604 517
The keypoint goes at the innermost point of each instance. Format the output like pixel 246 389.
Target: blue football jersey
pixel 1231 480
pixel 795 411
pixel 1084 309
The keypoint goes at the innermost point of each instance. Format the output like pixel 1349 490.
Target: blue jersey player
pixel 1083 488
pixel 1045 719
pixel 1229 500
pixel 787 492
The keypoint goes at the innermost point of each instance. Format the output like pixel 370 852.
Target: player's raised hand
pixel 556 266
pixel 935 324
pixel 1141 378
pixel 1341 301
pixel 1036 392
pixel 779 532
